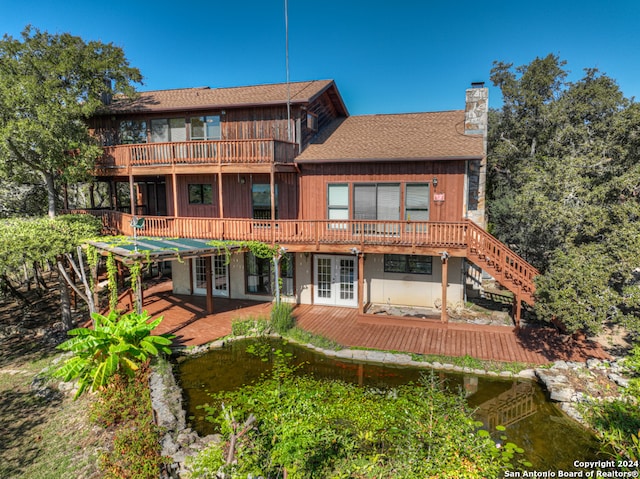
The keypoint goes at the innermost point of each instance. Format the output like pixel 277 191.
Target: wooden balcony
pixel 186 156
pixel 458 239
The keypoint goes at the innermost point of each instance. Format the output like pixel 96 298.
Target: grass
pixel 43 439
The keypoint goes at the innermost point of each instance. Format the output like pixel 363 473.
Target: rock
pixel 619 380
pixel 561 394
pixel 560 365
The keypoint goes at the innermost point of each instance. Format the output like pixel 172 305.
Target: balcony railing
pixel 482 248
pixel 197 153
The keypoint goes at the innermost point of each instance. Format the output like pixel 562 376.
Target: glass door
pixel 220 276
pixel 335 280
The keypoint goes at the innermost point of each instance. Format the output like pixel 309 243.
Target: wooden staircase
pixel 509 269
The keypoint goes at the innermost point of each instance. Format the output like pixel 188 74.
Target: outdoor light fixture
pixel 435 181
pixel 355 251
pixel 444 255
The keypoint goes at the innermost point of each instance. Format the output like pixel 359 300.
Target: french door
pixel 335 280
pixel 220 277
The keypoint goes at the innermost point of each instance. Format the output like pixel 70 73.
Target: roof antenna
pixel 286 28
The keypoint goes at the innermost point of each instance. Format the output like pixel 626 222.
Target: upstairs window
pixel 261 200
pixel 200 194
pixel 376 202
pixel 338 201
pixel 168 129
pixel 205 128
pixel 133 131
pixel 312 121
pixel 416 202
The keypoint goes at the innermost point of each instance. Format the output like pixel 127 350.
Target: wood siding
pixel 314 179
pixel 236 195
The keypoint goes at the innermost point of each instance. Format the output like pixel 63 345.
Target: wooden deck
pixel 186 317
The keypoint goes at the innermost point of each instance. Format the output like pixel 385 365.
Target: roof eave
pixel 392 160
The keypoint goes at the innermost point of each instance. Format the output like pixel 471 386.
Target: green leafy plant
pixel 250 327
pixel 282 319
pixel 115 344
pixel 300 427
pixel 125 408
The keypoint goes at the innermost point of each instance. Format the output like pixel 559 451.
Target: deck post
pixel 220 208
pixel 209 274
pixel 517 309
pixel 132 195
pixel 361 283
pixel 174 187
pixel 444 318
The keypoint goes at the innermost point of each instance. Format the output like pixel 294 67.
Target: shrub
pixel 115 344
pixel 125 406
pixel 282 319
pixel 316 429
pixel 249 327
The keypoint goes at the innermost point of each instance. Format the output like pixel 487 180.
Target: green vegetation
pixel 49 85
pixel 115 344
pixel 618 422
pixel 125 408
pixel 311 428
pixel 562 186
pixel 250 327
pixel 282 319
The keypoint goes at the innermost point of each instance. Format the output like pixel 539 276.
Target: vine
pixel 135 270
pixel 112 278
pixel 92 260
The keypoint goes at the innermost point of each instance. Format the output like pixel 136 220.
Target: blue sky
pixel 386 56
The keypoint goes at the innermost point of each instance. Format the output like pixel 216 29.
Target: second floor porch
pixel 256 155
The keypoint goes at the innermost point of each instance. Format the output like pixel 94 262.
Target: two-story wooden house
pixel 375 209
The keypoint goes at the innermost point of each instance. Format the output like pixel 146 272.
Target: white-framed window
pixel 168 129
pixel 416 202
pixel 376 201
pixel 206 128
pixel 338 204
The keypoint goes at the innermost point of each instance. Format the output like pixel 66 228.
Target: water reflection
pixel 550 439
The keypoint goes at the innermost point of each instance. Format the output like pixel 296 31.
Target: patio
pixel 186 317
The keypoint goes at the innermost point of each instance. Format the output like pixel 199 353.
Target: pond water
pixel 551 440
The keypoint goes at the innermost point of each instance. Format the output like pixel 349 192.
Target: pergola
pixel 129 250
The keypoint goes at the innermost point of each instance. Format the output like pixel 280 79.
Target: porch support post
pixel 444 317
pixel 174 181
pixel 138 294
pixel 517 309
pixel 132 195
pixel 272 188
pixel 361 283
pixel 220 207
pixel 209 274
pixel 113 195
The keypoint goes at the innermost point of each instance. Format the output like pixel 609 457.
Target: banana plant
pixel 115 344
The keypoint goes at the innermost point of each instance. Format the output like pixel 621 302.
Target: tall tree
pixel 564 186
pixel 49 85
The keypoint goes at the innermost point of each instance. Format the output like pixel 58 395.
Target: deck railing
pixel 479 246
pixel 197 153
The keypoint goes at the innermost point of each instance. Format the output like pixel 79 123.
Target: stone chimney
pixel 476 109
pixel 476 122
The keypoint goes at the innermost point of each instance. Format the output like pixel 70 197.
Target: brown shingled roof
pixel 410 136
pixel 205 97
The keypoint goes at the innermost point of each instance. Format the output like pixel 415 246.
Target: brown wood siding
pixel 202 211
pixel 236 192
pixel 314 179
pixel 324 108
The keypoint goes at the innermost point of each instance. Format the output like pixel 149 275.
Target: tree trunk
pixel 65 306
pixel 7 286
pixel 51 193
